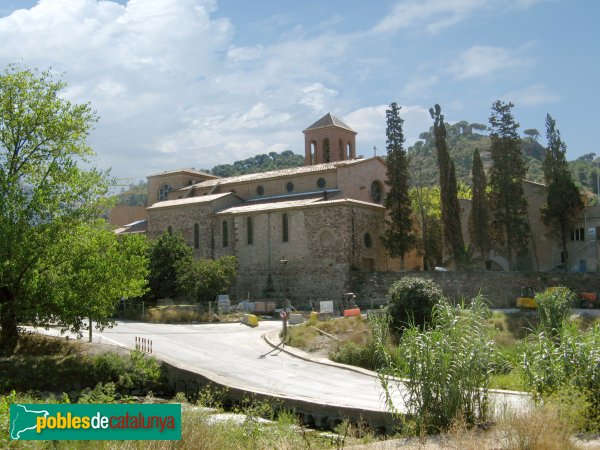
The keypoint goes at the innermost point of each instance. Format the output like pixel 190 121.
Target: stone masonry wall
pixel 501 289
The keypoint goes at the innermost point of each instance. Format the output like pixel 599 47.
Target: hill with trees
pixel 464 137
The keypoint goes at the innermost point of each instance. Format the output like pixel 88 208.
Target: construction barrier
pixel 250 319
pixel 143 344
pixel 352 312
pixel 295 319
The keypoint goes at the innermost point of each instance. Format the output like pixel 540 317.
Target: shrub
pixel 553 306
pixel 355 355
pixel 411 301
pixel 447 367
pixel 136 372
pixel 569 359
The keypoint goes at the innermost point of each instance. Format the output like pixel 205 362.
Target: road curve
pixel 235 355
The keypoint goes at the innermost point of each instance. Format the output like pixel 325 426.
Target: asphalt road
pixel 238 356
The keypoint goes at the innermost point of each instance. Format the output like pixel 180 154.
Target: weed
pixel 553 308
pixel 212 397
pixel 447 366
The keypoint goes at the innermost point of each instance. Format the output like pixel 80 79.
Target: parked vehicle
pixel 526 298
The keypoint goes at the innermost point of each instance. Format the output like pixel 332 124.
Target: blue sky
pixel 195 83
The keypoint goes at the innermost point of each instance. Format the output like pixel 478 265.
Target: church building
pixel 300 230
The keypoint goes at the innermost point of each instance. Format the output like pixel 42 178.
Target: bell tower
pixel 328 140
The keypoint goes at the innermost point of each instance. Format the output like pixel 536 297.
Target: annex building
pixel 301 230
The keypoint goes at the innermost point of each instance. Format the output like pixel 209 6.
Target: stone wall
pixel 500 288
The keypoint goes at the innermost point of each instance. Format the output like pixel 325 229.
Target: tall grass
pixel 447 367
pixel 553 308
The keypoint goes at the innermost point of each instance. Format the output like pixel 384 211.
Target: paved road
pixel 236 355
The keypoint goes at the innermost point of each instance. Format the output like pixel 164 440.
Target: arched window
pixel 260 190
pixel 250 230
pixel 376 191
pixel 196 236
pixel 348 151
pixel 321 182
pixel 170 230
pixel 313 153
pixel 284 228
pixel 225 232
pixel 326 151
pixel 368 240
pixel 163 192
pixel 289 186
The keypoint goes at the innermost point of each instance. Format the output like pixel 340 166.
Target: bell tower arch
pixel 328 140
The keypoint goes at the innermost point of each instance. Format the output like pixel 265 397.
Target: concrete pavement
pixel 237 356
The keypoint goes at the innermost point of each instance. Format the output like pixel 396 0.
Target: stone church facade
pixel 302 230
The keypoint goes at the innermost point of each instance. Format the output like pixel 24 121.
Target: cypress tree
pixel 398 238
pixel 508 205
pixel 479 217
pixel 453 236
pixel 563 200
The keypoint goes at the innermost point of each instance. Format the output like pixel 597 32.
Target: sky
pixel 196 83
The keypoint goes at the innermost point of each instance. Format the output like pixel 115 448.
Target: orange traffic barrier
pixel 352 312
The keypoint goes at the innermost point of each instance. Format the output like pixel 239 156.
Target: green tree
pixel 92 269
pixel 508 205
pixel 563 200
pixel 453 236
pixel 479 217
pixel 166 254
pixel 398 238
pixel 426 203
pixel 45 192
pixel 532 133
pixel 204 279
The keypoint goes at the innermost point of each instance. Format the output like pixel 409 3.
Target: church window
pixel 321 182
pixel 250 230
pixel 289 187
pixel 376 191
pixel 225 232
pixel 368 240
pixel 196 235
pixel 163 192
pixel 284 228
pixel 326 150
pixel 260 190
pixel 170 230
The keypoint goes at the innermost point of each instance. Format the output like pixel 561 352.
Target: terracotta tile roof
pixel 328 120
pixel 294 204
pixel 190 171
pixel 277 173
pixel 189 200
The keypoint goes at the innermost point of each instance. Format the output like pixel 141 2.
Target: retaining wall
pixel 499 288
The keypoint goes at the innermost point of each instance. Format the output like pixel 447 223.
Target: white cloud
pixel 317 96
pixel 241 54
pixel 420 86
pixel 434 15
pixel 536 94
pixel 483 61
pixel 370 122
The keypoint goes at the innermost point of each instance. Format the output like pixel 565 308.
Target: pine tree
pixel 398 238
pixel 453 236
pixel 563 200
pixel 479 218
pixel 508 205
